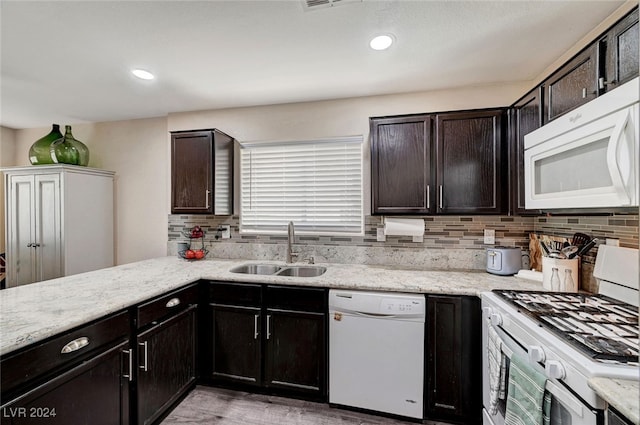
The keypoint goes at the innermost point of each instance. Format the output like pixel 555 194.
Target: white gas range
pixel 569 337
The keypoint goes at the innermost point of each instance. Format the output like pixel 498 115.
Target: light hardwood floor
pixel 206 405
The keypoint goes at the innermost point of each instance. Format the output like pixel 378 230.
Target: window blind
pixel 316 184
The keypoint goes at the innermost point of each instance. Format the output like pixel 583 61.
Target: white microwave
pixel 588 158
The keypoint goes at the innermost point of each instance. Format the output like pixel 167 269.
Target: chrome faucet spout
pixel 291 235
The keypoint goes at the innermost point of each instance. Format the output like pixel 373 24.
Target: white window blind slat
pixel 316 184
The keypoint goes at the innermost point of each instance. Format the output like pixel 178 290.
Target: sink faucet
pixel 291 233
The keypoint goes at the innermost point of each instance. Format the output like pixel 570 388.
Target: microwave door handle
pixel 618 135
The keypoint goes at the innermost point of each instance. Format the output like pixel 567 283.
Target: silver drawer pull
pixel 130 375
pixel 145 345
pixel 445 406
pixel 173 302
pixel 75 345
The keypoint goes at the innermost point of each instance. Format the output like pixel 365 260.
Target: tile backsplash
pixel 450 242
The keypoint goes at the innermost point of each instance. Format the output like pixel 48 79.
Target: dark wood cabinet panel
pixel 268 336
pixel 622 45
pixel 454 369
pixel 400 164
pixel 574 84
pixel 202 172
pixel 295 355
pixel 166 364
pixel 94 392
pixel 22 369
pixel 525 116
pixel 469 171
pixel 236 349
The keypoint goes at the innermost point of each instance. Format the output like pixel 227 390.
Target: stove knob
pixel 554 370
pixel 496 319
pixel 536 354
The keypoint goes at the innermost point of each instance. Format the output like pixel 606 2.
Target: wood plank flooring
pixel 206 405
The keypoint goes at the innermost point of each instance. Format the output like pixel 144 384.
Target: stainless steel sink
pixel 256 269
pixel 302 271
pixel 272 269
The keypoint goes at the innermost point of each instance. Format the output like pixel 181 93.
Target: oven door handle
pixel 563 396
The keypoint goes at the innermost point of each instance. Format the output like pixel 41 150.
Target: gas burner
pixel 603 328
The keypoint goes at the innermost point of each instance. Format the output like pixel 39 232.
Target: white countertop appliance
pixel 376 351
pixel 504 260
pixel 569 337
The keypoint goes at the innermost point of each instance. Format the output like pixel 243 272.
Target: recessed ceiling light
pixel 381 42
pixel 143 74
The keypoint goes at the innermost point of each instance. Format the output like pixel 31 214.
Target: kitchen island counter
pixel 622 394
pixel 40 310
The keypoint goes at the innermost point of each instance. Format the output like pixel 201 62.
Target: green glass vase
pixel 40 151
pixel 68 150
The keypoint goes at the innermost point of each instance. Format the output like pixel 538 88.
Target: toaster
pixel 504 260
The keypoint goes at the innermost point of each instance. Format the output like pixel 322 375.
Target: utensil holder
pixel 548 264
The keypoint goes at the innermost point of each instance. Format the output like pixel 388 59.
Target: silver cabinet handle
pixel 255 326
pixel 428 196
pixel 33 245
pixel 75 345
pixel 173 302
pixel 207 193
pixel 584 93
pixel 441 197
pixel 146 353
pixel 445 406
pixel 130 375
pixel 268 326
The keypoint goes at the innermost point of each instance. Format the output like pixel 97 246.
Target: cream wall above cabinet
pixel 59 221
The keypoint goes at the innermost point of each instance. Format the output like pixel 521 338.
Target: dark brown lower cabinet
pixel 96 392
pixel 166 364
pixel 236 347
pixel 454 362
pixel 268 337
pixel 294 355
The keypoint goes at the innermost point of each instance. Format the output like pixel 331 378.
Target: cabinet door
pixel 526 116
pixel 575 84
pixel 622 52
pixel 48 232
pixel 95 392
pixel 469 151
pixel 295 351
pixel 191 172
pixel 454 359
pixel 400 164
pixel 21 234
pixel 236 344
pixel 166 364
pixel 34 251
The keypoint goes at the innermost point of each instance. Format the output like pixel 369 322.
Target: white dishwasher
pixel 376 351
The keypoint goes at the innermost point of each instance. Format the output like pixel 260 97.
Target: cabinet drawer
pixel 300 299
pixel 241 294
pixel 158 308
pixel 52 355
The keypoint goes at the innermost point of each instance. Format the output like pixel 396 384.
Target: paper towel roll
pixel 404 227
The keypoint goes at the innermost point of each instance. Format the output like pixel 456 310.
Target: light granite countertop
pixel 622 394
pixel 34 312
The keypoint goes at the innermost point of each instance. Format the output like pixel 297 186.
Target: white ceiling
pixel 69 61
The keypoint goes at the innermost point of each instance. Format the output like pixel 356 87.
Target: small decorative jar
pixel 40 151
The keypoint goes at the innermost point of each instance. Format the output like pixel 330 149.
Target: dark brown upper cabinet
pixel 469 172
pixel 202 172
pixel 620 50
pixel 524 117
pixel 574 84
pixel 401 164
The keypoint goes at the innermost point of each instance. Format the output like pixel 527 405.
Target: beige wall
pixel 137 151
pixel 7 158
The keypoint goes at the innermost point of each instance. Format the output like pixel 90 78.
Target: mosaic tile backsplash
pixel 450 242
